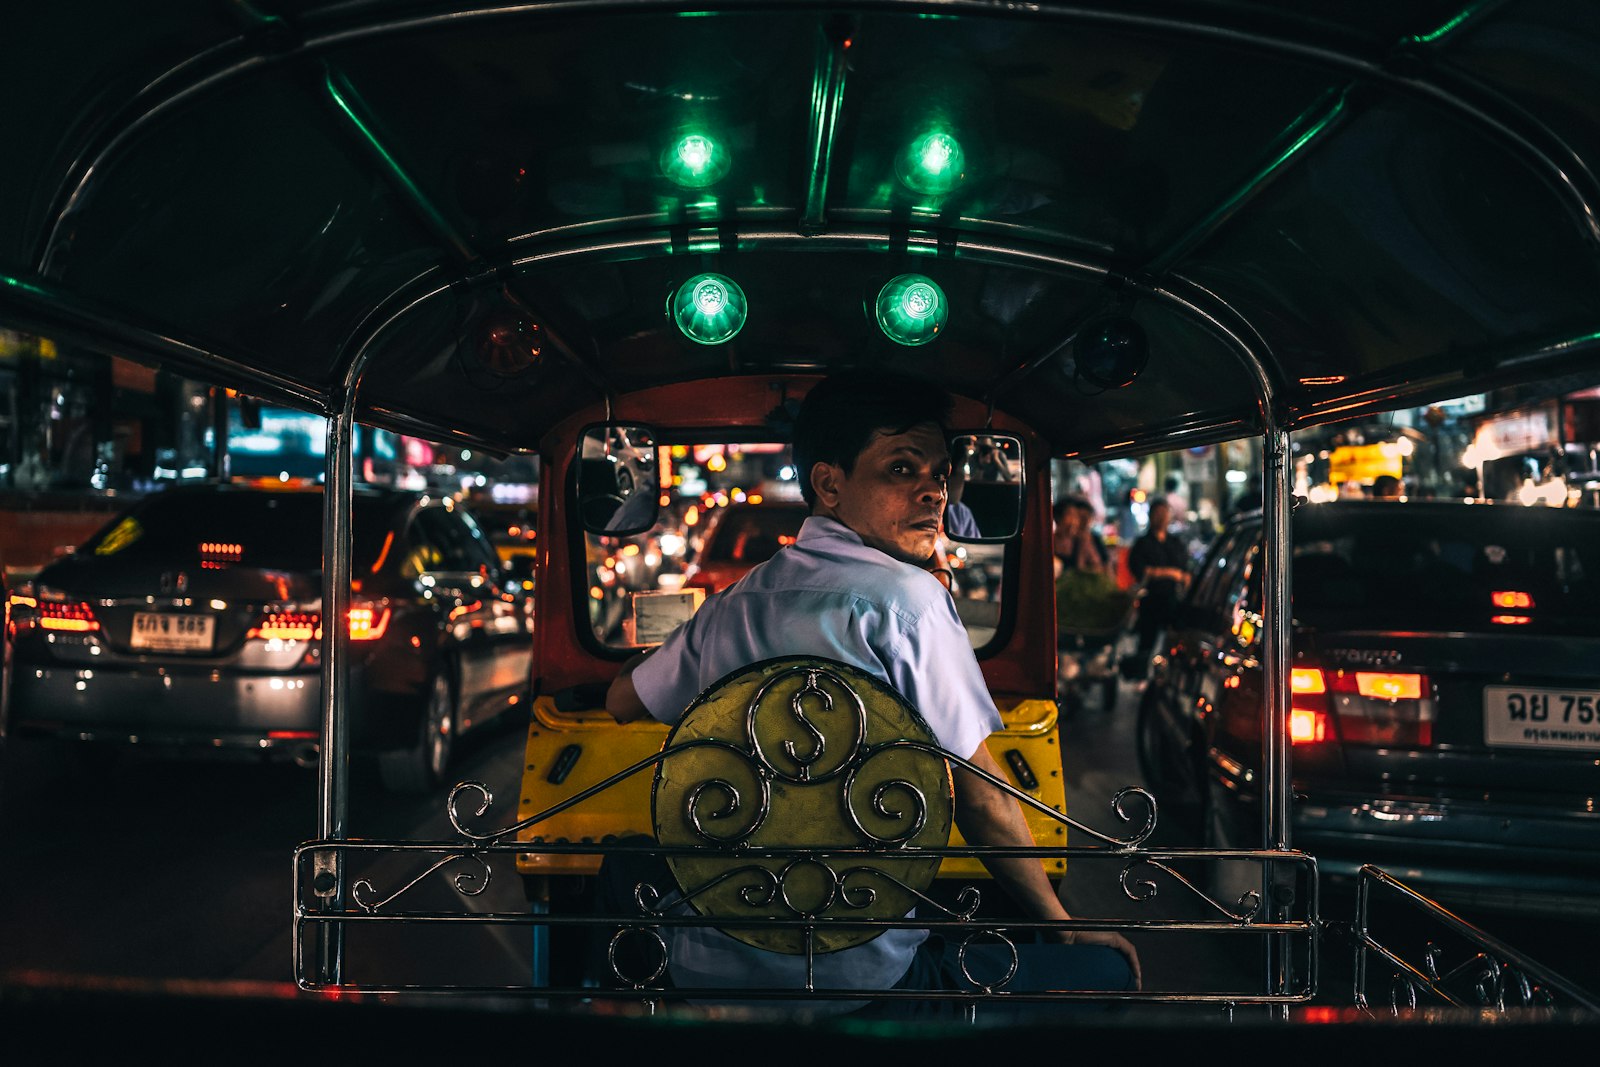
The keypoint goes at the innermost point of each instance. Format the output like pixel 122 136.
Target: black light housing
pixel 1111 351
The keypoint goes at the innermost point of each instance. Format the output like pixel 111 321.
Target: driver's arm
pixel 622 699
pixel 988 816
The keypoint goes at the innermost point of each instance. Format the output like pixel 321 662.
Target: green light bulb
pixel 932 164
pixel 708 308
pixel 911 309
pixel 695 160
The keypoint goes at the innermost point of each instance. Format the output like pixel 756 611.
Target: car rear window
pixel 1480 568
pixel 753 535
pixel 278 531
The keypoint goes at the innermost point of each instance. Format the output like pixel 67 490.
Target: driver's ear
pixel 825 479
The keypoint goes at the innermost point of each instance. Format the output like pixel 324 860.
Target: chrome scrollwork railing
pixel 1474 970
pixel 731 867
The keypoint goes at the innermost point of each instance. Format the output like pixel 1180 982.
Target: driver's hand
pixel 1108 938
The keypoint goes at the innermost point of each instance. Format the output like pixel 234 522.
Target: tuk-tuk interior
pixel 1108 228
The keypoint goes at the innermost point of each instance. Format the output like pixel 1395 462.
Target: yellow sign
pixel 1363 463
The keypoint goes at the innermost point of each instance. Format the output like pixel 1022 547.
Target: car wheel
pixel 1229 881
pixel 422 767
pixel 1174 775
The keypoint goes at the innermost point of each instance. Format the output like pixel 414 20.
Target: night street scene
pixel 783 529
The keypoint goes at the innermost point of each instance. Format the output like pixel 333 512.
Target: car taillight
pixel 52 615
pixel 1371 707
pixel 287 626
pixel 1308 707
pixel 367 623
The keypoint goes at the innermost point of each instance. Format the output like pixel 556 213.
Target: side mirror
pixel 617 486
pixel 986 488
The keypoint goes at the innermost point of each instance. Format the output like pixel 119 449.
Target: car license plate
pixel 1541 718
pixel 172 633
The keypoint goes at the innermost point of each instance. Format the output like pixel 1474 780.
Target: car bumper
pixel 277 715
pixel 1493 856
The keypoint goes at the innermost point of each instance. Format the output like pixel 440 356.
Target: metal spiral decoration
pixel 1011 969
pixel 468 883
pixel 912 822
pixel 733 801
pixel 1245 910
pixel 810 687
pixel 637 982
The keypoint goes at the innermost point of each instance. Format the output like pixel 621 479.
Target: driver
pixel 854 587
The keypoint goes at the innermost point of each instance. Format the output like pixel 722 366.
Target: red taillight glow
pixel 288 626
pixel 366 624
pixel 1510 620
pixel 1389 686
pixel 1307 726
pixel 221 551
pixel 1307 680
pixel 1511 598
pixel 73 618
pixel 1372 707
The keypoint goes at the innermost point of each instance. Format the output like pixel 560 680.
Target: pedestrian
pixel 1159 561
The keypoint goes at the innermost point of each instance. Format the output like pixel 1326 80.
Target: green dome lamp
pixel 708 308
pixel 912 309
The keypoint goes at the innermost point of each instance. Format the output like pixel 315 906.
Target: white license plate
pixel 1531 717
pixel 172 633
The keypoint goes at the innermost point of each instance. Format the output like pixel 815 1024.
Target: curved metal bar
pixel 44 307
pixel 1248 905
pixel 466 882
pixel 1010 790
pixel 616 970
pixel 827 98
pixel 1011 969
pixel 763 809
pixel 598 787
pixel 819 741
pixel 1562 169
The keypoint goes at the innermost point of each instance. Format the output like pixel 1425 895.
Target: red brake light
pixel 75 618
pixel 1384 708
pixel 1370 707
pixel 1307 680
pixel 1307 726
pixel 288 626
pixel 367 624
pixel 1511 598
pixel 1510 620
pixel 1389 686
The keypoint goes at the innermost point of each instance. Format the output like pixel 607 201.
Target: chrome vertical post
pixel 333 786
pixel 1275 641
pixel 1276 783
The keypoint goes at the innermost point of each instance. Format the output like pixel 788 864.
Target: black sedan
pixel 192 623
pixel 1445 711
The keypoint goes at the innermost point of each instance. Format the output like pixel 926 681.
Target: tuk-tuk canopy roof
pixel 475 217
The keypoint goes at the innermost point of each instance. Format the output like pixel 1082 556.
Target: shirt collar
pixel 820 527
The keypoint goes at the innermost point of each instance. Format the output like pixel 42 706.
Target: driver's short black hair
pixel 841 413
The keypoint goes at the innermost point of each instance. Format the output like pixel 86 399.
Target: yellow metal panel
pixel 1030 727
pixel 607 749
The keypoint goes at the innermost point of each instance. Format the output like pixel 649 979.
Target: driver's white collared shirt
pixel 826 595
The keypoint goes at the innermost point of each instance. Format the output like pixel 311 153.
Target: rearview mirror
pixel 986 487
pixel 617 489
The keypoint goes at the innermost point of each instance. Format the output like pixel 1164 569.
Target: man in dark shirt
pixel 1161 563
